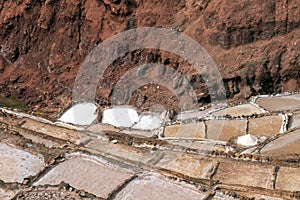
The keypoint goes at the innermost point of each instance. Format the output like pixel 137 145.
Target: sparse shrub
pixel 130 23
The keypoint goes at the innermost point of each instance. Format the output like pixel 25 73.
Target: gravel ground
pixel 45 195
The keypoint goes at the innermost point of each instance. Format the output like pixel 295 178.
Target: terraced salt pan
pixel 193 130
pixel 94 177
pixel 280 103
pixel 242 173
pixel 225 129
pixel 288 179
pixel 82 114
pixel 39 139
pixel 15 164
pixel 286 144
pixel 189 165
pixel 152 187
pixel 267 125
pixel 239 110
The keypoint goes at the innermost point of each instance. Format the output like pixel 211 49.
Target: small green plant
pixel 265 59
pixel 130 23
pixel 252 63
pixel 12 102
pixel 204 77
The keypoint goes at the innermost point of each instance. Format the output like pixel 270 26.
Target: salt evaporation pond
pixel 128 117
pixel 120 116
pixel 85 114
pixel 82 114
pixel 16 164
pixel 148 122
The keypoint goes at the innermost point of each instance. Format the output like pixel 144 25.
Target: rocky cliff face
pixel 255 44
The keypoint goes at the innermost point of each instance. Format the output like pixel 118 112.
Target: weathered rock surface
pixel 42 45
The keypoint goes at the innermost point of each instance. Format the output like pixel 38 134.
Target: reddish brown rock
pixel 254 44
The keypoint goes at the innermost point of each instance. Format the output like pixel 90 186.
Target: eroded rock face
pixel 42 45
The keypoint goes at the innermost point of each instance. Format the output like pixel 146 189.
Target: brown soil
pixel 255 45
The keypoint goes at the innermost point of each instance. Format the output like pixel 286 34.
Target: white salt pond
pixel 128 117
pixel 82 114
pixel 85 114
pixel 148 122
pixel 120 116
pixel 247 140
